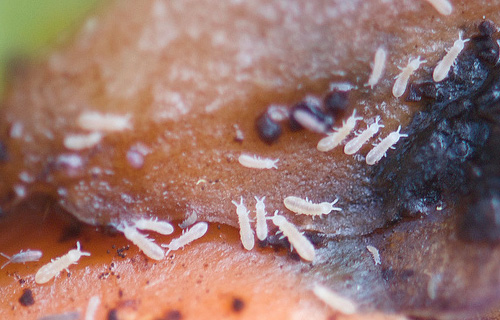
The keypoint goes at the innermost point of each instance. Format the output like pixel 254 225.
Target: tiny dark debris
pixel 26 298
pixel 238 305
pixel 171 315
pixel 4 156
pixel 120 252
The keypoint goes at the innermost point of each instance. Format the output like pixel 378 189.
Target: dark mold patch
pixel 444 138
pixel 26 298
pixel 237 305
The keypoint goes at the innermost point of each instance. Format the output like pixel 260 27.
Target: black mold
pixel 444 139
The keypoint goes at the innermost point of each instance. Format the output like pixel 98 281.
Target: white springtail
pixel 378 67
pixel 22 257
pixel 246 232
pixel 334 139
pixel 380 149
pixel 257 162
pixel 334 300
pixel 375 254
pixel 444 7
pixel 305 206
pixel 188 235
pixel 302 245
pixel 150 249
pixel 443 67
pixel 82 141
pixel 92 308
pixel 161 227
pixel 357 142
pixel 53 268
pixel 260 214
pixel 104 122
pixel 399 87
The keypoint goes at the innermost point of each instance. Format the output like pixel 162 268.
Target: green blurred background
pixel 29 27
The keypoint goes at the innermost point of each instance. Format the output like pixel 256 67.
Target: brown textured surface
pixel 187 76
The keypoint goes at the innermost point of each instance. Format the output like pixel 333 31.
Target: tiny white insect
pixel 302 245
pixel 190 219
pixel 22 257
pixel 246 232
pixel 375 254
pixel 92 307
pixel 105 122
pixel 401 82
pixel 353 146
pixel 334 300
pixel 82 141
pixel 380 149
pixel 189 235
pixel 334 139
pixel 309 121
pixel 161 227
pixel 150 249
pixel 444 7
pixel 443 67
pixel 260 214
pixel 301 206
pixel 378 67
pixel 54 267
pixel 257 162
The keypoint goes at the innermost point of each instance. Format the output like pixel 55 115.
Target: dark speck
pixel 268 130
pixel 172 315
pixel 4 156
pixel 113 314
pixel 336 103
pixel 238 304
pixel 27 298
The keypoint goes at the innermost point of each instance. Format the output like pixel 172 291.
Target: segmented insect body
pixel 22 257
pixel 309 121
pixel 380 149
pixel 161 227
pixel 444 7
pixel 357 142
pixel 246 232
pixel 375 254
pixel 95 121
pixel 378 67
pixel 260 213
pixel 302 245
pixel 399 87
pixel 189 235
pixel 301 206
pixel 257 162
pixel 150 249
pixel 334 139
pixel 82 141
pixel 190 219
pixel 92 308
pixel 53 268
pixel 443 67
pixel 334 300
